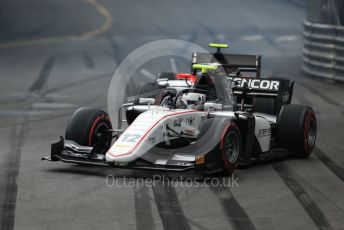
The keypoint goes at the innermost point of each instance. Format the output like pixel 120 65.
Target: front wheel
pixel 230 148
pixel 89 127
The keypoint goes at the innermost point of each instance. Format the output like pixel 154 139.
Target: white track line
pixel 252 38
pixel 52 105
pixel 287 38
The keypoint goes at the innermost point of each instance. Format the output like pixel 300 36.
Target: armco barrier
pixel 323 51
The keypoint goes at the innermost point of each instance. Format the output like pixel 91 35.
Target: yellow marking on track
pixel 83 36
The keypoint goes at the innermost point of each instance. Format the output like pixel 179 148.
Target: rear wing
pixel 279 90
pixel 263 87
pixel 245 63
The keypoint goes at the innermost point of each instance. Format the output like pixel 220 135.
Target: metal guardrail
pixel 323 51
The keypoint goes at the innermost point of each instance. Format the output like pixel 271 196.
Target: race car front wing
pixel 71 152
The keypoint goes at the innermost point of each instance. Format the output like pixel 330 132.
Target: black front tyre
pixel 297 129
pixel 230 148
pixel 88 127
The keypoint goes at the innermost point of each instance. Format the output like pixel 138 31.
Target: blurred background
pixel 57 56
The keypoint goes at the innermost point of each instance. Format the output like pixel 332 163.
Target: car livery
pixel 210 120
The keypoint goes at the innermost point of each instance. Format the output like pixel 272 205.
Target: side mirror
pixel 146 101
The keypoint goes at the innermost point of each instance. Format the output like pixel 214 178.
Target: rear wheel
pixel 89 127
pixel 297 129
pixel 230 148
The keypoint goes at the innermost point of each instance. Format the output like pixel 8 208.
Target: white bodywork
pixel 263 133
pixel 151 128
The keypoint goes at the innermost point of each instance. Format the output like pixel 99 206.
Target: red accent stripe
pixel 223 134
pixel 227 166
pixel 168 115
pixel 92 129
pixel 309 116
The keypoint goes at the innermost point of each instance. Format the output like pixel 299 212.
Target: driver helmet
pixel 192 100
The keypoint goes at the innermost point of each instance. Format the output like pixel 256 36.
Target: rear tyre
pixel 88 127
pixel 297 129
pixel 230 148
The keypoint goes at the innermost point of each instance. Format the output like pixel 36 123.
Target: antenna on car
pixel 218 55
pixel 218 46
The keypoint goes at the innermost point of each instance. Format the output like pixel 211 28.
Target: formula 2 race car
pixel 210 120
